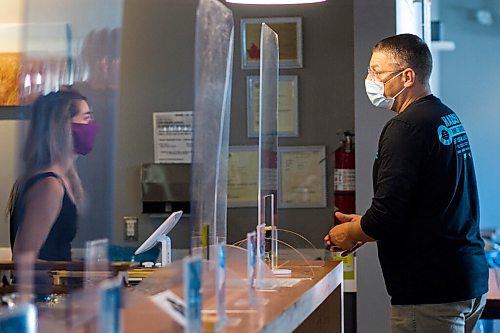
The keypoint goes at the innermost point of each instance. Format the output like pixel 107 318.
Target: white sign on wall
pixel 173 136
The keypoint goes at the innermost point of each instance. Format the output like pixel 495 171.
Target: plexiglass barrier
pixel 84 307
pixel 97 264
pixel 213 67
pixel 297 255
pixel 66 43
pixel 77 43
pixel 312 256
pixel 268 133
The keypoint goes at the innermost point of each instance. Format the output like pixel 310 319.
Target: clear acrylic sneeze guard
pixel 74 44
pixel 213 68
pixel 214 43
pixel 268 134
pixel 296 254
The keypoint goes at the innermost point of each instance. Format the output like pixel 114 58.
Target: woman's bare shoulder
pixel 46 188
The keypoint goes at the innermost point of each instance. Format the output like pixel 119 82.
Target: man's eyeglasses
pixel 376 74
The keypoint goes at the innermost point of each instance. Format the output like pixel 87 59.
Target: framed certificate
pixel 288 106
pixel 302 177
pixel 243 176
pixel 289 30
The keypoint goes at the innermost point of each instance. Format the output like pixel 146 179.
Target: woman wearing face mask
pixel 45 200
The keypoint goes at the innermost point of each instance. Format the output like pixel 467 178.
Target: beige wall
pixel 11 11
pixel 11 14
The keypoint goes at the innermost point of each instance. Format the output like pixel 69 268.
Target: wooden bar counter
pixel 312 305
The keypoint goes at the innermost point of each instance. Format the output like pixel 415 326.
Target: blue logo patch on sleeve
pixel 453 132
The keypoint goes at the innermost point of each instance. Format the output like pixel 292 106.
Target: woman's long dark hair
pixel 50 140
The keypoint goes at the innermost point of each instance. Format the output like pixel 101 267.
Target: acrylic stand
pixel 166 250
pixel 268 133
pixel 97 264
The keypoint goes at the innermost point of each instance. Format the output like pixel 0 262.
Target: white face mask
pixel 375 92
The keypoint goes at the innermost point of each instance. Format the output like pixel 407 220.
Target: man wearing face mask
pixel 424 214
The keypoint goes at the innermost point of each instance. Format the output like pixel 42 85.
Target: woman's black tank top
pixel 57 246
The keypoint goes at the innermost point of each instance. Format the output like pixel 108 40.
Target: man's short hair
pixel 408 50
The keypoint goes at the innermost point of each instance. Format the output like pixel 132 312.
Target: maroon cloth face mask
pixel 84 137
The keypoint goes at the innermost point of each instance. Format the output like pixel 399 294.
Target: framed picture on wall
pixel 10 71
pixel 289 30
pixel 288 106
pixel 33 67
pixel 302 177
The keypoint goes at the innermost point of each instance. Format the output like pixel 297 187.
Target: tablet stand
pixel 166 250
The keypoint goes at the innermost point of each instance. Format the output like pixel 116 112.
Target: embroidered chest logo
pixel 453 132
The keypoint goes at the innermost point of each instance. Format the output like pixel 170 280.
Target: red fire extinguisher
pixel 345 177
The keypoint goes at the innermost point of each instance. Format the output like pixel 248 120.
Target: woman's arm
pixel 42 207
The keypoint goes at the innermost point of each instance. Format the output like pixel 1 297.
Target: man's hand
pixel 339 237
pixel 347 217
pixel 346 235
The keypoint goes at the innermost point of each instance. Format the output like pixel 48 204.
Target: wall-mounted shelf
pixel 442 45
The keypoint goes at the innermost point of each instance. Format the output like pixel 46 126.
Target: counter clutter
pixel 298 308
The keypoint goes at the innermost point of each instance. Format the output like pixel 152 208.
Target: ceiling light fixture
pixel 273 2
